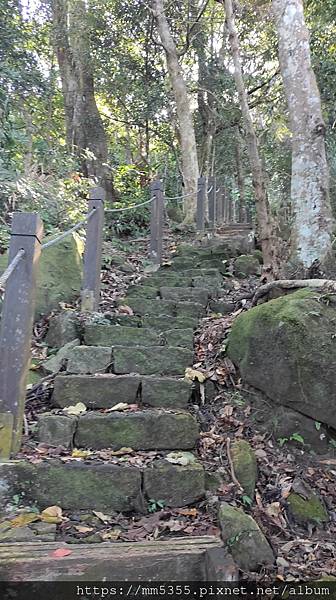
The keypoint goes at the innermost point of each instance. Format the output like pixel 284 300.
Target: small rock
pixel 63 328
pixel 244 539
pixel 307 510
pixel 245 465
pixel 56 430
pixel 53 364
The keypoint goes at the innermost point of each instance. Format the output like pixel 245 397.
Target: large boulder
pixel 60 273
pixel 287 349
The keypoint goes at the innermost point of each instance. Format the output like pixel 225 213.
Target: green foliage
pixel 155 505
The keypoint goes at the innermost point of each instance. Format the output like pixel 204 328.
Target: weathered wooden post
pixel 212 202
pixel 16 329
pixel 156 225
pixel 201 192
pixel 93 251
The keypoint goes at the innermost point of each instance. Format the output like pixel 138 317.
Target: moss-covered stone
pixel 287 349
pixel 259 256
pixel 307 510
pixel 63 328
pixel 215 263
pixel 176 485
pixel 181 263
pixel 125 320
pixel 244 539
pixel 213 481
pixel 142 291
pixel 246 265
pixel 166 392
pixel 190 309
pixel 56 361
pixel 73 485
pixel 183 338
pixel 112 335
pixel 144 306
pixel 56 430
pixel 104 391
pixel 223 307
pixel 140 430
pixel 89 359
pixel 245 466
pixel 164 322
pixel 6 435
pixel 151 361
pixel 178 294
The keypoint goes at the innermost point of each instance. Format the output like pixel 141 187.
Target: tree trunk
pixel 312 230
pixel 258 179
pixel 240 177
pixel 184 115
pixel 85 132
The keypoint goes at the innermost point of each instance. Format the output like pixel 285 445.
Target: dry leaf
pixel 80 453
pixel 181 458
pixel 52 514
pixel 77 409
pixel 121 451
pixel 83 529
pixel 193 375
pixel 119 406
pixel 104 518
pixel 188 512
pixel 123 309
pixel 114 534
pixel 60 553
pixel 25 519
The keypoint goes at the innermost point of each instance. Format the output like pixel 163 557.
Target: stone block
pixel 166 392
pixel 95 391
pixel 112 335
pixel 56 430
pixel 181 338
pixel 90 359
pixel 178 294
pixel 176 485
pixel 151 360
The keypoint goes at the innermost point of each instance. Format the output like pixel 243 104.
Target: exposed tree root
pixel 323 285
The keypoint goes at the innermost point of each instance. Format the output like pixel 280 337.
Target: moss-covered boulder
pixel 307 510
pixel 246 265
pixel 287 349
pixel 60 273
pixel 245 466
pixel 245 540
pixel 63 328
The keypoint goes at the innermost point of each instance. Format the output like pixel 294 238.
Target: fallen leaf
pixel 52 514
pixel 114 534
pixel 121 451
pixel 25 519
pixel 83 529
pixel 181 458
pixel 123 309
pixel 60 553
pixel 193 375
pixel 80 453
pixel 119 406
pixel 188 512
pixel 77 409
pixel 104 518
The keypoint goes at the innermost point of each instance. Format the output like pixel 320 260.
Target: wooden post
pixel 156 226
pixel 16 328
pixel 219 198
pixel 212 202
pixel 201 203
pixel 93 251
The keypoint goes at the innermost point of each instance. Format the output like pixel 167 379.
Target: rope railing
pixel 130 207
pixel 69 231
pixel 11 268
pixel 182 196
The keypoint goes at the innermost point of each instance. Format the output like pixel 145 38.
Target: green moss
pixel 307 510
pixel 245 466
pixel 246 265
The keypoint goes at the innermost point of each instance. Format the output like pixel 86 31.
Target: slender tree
pixel 265 225
pixel 313 223
pixel 185 120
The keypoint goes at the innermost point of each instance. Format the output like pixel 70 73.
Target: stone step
pixel 141 430
pixel 179 294
pixel 181 338
pixel 163 323
pixel 79 485
pixel 154 360
pixel 144 306
pixel 150 429
pixel 112 335
pixel 122 360
pixel 105 391
pixel 188 559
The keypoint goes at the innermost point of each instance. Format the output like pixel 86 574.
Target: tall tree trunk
pixel 85 132
pixel 240 177
pixel 258 179
pixel 312 231
pixel 184 115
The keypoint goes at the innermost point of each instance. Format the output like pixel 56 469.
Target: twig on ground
pixel 233 475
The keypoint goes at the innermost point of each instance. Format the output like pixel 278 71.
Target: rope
pixel 66 233
pixel 182 196
pixel 130 207
pixel 11 267
pixel 210 189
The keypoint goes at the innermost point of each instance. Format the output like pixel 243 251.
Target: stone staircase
pixel 137 359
